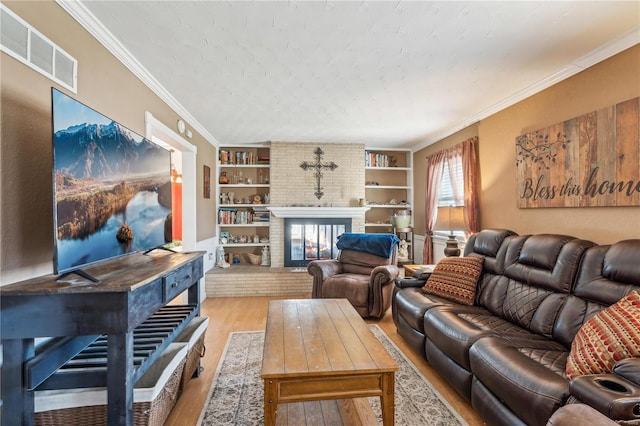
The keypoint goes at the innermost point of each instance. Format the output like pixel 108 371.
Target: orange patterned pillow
pixel 609 336
pixel 455 278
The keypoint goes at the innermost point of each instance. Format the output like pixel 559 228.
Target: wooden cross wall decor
pixel 318 166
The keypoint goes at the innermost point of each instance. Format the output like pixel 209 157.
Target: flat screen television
pixel 112 188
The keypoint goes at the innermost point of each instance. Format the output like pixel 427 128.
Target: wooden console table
pixel 75 313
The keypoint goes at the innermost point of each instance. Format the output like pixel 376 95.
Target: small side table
pixel 407 235
pixel 410 269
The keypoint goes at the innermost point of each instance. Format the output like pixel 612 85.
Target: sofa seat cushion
pixel 411 304
pixel 454 329
pixel 354 287
pixel 527 374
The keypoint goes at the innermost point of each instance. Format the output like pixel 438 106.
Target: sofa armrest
pixel 613 396
pixel 380 288
pixel 383 275
pixel 320 270
pixel 406 282
pixel 324 268
pixel 579 415
pixel 629 369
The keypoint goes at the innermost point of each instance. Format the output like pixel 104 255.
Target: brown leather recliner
pixel 366 280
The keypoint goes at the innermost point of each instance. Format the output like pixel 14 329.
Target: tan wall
pixel 26 153
pixel 602 85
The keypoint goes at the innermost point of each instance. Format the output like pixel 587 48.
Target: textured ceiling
pixel 381 73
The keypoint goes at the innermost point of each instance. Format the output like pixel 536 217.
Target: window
pixel 24 43
pixel 450 195
pixel 452 190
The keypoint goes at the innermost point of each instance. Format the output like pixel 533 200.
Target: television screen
pixel 112 187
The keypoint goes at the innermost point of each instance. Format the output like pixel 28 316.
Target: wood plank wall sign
pixel 588 161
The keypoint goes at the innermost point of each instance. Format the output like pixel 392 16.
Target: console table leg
pixel 17 404
pixel 119 373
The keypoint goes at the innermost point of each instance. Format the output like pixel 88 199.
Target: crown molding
pixel 90 23
pixel 610 49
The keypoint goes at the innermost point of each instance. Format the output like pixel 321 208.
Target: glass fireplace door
pixel 312 239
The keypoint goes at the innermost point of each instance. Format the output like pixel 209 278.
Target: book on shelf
pixel 260 217
pixel 233 216
pixel 375 159
pixel 241 158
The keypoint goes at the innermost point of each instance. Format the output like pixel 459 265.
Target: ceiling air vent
pixel 21 41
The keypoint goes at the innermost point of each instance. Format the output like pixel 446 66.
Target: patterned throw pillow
pixel 609 336
pixel 455 278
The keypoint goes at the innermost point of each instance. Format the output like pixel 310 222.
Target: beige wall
pixel 602 85
pixel 26 153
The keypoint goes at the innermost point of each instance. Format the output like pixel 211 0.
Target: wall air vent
pixel 21 41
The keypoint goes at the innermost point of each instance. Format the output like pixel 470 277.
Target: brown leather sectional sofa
pixel 507 353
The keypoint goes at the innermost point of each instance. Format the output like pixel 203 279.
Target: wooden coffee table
pixel 321 349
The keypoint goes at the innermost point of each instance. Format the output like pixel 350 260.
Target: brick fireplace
pixel 293 187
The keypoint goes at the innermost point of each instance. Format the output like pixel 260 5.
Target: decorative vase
pixel 223 178
pixel 401 219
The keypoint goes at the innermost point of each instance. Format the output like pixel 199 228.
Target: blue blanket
pixel 378 244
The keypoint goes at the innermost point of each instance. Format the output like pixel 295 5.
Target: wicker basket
pixel 154 396
pixel 193 335
pixel 254 259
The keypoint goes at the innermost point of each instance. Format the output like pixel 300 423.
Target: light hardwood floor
pixel 227 315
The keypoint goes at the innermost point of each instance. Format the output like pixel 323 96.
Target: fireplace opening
pixel 312 239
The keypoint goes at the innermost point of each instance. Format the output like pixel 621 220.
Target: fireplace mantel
pixel 318 212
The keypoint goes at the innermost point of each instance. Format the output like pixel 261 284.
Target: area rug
pixel 236 394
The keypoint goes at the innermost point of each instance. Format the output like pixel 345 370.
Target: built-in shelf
pixel 245 225
pixel 386 187
pixel 223 186
pixel 252 164
pixel 248 166
pixel 389 168
pixel 245 244
pixel 388 178
pixel 390 206
pixel 256 206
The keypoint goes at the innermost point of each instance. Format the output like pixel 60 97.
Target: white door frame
pixel 159 133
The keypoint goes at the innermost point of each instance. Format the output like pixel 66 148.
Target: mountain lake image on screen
pixel 112 187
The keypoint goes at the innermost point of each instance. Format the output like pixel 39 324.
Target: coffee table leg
pixel 270 401
pixel 387 399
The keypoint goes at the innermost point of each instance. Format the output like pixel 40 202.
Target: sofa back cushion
pixel 538 274
pixel 359 262
pixel 607 273
pixel 491 244
pixel 488 243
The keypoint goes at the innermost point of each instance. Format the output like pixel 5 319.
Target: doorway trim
pixel 159 133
